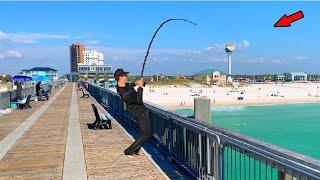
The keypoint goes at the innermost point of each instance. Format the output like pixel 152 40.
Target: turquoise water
pixel 295 126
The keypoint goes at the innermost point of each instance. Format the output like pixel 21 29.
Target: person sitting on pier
pixel 132 96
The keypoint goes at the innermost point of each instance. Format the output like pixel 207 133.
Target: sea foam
pixel 235 108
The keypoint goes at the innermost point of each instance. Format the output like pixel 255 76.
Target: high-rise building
pixel 76 56
pixel 92 57
pixel 93 65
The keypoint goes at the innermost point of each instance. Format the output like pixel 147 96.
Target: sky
pixel 39 34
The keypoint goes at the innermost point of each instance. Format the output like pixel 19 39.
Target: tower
pixel 229 49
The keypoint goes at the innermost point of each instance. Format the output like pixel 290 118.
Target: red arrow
pixel 285 21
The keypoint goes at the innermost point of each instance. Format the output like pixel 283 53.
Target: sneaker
pixel 128 152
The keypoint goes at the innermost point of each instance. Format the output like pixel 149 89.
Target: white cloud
pixel 256 60
pixel 259 60
pixel 80 37
pixel 29 37
pixel 220 47
pixel 243 44
pixel 215 47
pixel 279 61
pixel 92 42
pixel 11 54
pixel 2 35
pixel 302 57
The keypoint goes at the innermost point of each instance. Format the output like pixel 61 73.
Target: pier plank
pixel 104 151
pixel 9 122
pixel 39 153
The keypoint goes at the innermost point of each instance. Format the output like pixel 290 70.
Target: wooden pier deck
pixel 52 141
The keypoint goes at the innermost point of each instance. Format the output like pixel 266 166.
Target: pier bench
pixel 25 105
pixel 84 95
pixel 102 121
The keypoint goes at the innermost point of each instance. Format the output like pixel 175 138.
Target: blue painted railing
pixel 10 96
pixel 210 152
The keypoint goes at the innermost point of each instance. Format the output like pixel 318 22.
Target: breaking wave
pixel 229 109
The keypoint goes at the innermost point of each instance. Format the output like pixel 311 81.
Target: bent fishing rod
pixel 154 36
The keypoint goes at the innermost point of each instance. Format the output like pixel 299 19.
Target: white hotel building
pixel 92 57
pixel 93 64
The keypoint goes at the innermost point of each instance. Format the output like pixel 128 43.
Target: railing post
pixel 10 99
pixel 200 155
pixel 0 101
pixel 208 157
pixel 170 138
pixel 185 142
pixel 112 104
pixel 220 162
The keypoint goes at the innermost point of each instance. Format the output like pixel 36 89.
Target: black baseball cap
pixel 119 72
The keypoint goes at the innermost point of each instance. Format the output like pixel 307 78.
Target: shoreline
pixel 238 105
pixel 252 95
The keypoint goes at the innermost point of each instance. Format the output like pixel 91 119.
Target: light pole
pixel 229 50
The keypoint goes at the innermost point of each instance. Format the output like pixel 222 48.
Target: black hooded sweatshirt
pixel 132 98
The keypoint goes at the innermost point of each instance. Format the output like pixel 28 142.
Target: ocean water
pixel 293 126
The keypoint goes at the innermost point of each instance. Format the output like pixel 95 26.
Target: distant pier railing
pixel 9 96
pixel 206 151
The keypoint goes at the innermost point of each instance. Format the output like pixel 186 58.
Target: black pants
pixel 144 134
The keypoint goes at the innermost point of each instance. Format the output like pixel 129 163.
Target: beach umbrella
pixel 40 78
pixel 21 78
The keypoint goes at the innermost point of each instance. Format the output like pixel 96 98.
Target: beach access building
pixel 44 74
pixel 92 71
pixel 280 78
pixel 296 76
pixel 210 77
pixel 313 77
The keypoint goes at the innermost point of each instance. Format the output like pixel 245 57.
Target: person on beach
pixel 132 96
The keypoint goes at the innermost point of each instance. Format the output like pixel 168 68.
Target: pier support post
pixel 202 113
pixel 106 85
pixel 202 109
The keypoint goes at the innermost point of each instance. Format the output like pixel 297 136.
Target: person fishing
pixel 132 96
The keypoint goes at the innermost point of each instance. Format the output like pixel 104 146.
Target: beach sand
pixel 253 94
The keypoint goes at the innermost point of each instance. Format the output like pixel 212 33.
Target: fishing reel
pixel 132 84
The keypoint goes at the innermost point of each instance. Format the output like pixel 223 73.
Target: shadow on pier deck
pixel 52 141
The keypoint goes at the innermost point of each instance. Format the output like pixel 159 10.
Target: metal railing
pixel 206 151
pixel 11 96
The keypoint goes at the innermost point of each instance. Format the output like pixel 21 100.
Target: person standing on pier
pixel 38 91
pixel 132 96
